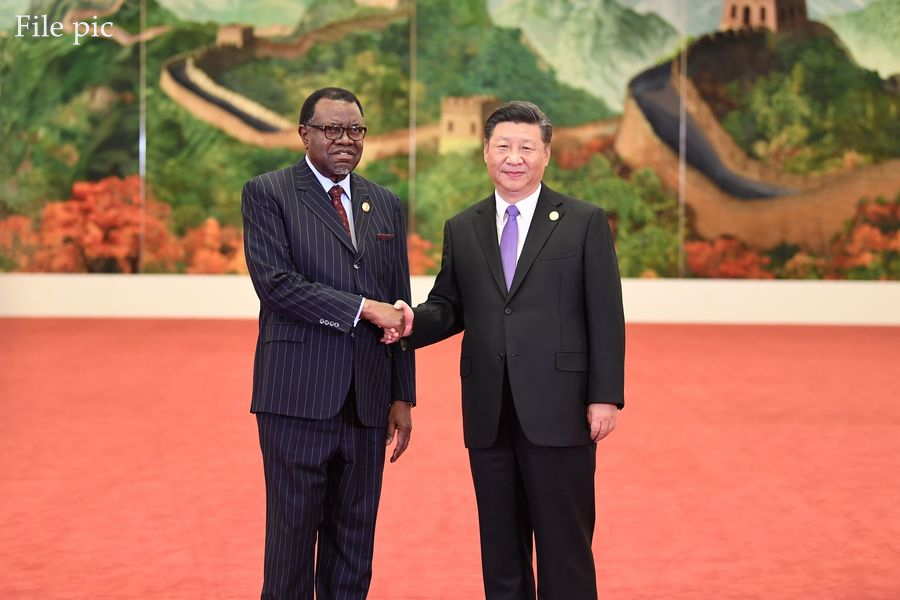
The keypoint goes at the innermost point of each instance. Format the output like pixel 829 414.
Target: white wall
pixel 646 300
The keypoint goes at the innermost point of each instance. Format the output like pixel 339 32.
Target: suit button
pixel 507 311
pixel 499 356
pixel 356 265
pixel 353 334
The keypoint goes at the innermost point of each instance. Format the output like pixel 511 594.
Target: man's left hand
pixel 601 419
pixel 399 421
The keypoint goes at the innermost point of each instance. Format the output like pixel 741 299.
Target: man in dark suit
pixel 531 275
pixel 324 246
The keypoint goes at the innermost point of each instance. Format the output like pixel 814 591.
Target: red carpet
pixel 752 462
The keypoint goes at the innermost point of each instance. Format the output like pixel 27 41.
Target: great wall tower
pixel 775 15
pixel 462 122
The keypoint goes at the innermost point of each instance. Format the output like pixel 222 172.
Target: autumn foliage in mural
pixel 419 249
pixel 213 248
pixel 105 227
pixel 18 239
pixel 868 248
pixel 100 230
pixel 726 258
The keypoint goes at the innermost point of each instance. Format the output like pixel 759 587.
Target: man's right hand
pixel 383 315
pixel 408 317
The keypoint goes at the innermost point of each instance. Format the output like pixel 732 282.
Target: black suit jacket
pixel 559 330
pixel 310 281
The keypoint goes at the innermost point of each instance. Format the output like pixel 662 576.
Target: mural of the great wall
pixel 746 138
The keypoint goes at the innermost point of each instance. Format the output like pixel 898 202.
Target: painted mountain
pixel 704 16
pixel 819 10
pixel 593 45
pixel 872 35
pixel 259 13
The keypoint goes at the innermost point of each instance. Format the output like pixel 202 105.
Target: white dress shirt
pixel 327 184
pixel 526 207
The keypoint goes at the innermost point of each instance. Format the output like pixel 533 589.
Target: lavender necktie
pixel 509 242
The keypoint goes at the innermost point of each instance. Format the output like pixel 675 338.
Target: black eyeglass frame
pixel 350 131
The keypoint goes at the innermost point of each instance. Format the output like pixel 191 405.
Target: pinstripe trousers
pixel 323 483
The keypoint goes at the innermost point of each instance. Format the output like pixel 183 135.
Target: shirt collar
pixel 327 183
pixel 526 205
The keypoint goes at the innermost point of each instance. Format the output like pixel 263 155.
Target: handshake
pixel 396 320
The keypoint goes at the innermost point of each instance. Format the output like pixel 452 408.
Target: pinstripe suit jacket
pixel 310 281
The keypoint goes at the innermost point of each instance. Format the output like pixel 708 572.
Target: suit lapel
pixel 315 198
pixel 486 232
pixel 362 219
pixel 540 229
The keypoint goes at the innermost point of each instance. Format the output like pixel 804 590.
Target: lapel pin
pixel 554 216
pixel 366 207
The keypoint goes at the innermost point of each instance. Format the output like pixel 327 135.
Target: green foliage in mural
pixel 644 215
pixel 198 169
pixel 374 65
pixel 392 173
pixel 809 115
pixel 191 165
pixel 67 113
pixel 462 53
pixel 445 185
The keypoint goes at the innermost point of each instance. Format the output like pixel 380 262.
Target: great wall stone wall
pixel 727 150
pixel 242 118
pixel 188 79
pixel 809 218
pixel 395 143
pixel 206 83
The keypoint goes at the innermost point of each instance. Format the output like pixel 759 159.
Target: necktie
pixel 335 194
pixel 509 243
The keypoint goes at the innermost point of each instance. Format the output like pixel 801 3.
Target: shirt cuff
pixel 359 312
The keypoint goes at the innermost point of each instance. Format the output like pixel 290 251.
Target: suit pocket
pixel 465 366
pixel 572 361
pixel 557 254
pixel 284 332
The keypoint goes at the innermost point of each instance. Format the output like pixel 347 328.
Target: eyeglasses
pixel 336 132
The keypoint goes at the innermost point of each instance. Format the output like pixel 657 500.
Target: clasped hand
pixel 396 320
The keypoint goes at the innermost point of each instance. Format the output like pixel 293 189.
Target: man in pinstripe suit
pixel 324 247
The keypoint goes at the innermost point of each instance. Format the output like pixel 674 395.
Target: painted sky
pixel 704 15
pixel 260 13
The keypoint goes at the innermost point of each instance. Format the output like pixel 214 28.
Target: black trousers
pixel 526 492
pixel 323 483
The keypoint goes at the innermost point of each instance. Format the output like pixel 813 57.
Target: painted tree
pixel 105 227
